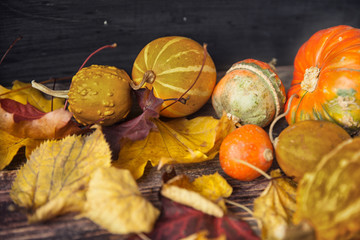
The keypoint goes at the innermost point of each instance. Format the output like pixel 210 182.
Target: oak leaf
pixel 115 203
pixel 205 193
pixel 24 93
pixel 275 207
pixel 55 179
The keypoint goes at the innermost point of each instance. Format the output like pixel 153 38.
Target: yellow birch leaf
pixel 115 203
pixel 205 193
pixel 275 206
pixel 55 179
pixel 10 145
pixel 32 96
pixel 176 141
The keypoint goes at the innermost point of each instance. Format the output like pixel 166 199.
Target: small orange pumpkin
pixel 171 65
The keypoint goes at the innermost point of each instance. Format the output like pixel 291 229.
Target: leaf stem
pixel 96 51
pixel 143 236
pixel 254 167
pixel 192 85
pixel 240 206
pixel 271 129
pixel 11 46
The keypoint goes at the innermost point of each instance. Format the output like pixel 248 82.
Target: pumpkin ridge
pixel 165 46
pixel 262 76
pixel 181 53
pixel 179 89
pixel 190 68
pixel 145 53
pixel 138 68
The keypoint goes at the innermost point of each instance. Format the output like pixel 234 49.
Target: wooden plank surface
pixel 59 35
pixel 13 223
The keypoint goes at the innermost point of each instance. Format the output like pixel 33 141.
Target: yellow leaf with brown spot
pixel 205 193
pixel 55 179
pixel 275 207
pixel 32 96
pixel 115 203
pixel 176 141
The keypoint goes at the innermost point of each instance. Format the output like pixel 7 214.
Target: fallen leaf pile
pixel 92 173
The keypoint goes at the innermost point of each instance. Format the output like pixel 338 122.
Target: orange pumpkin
pixel 172 64
pixel 327 78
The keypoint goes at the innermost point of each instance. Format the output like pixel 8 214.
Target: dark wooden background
pixel 59 35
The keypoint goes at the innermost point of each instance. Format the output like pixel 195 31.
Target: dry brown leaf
pixel 205 193
pixel 275 206
pixel 56 178
pixel 115 203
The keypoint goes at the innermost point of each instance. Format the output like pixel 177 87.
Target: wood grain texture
pixel 13 222
pixel 59 35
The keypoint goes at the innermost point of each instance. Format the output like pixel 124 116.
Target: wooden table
pixel 13 223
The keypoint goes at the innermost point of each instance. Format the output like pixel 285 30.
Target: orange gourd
pixel 327 78
pixel 170 66
pixel 247 145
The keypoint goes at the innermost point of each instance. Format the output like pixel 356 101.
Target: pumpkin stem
pixel 149 77
pixel 196 79
pixel 43 82
pixel 273 63
pixel 279 117
pixel 10 47
pixel 48 91
pixel 311 78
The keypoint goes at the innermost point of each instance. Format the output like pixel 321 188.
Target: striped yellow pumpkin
pixel 173 63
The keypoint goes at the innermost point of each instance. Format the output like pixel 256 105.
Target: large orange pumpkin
pixel 173 64
pixel 327 78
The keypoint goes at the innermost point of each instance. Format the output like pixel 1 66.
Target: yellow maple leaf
pixel 205 193
pixel 176 141
pixel 10 145
pixel 55 179
pixel 115 203
pixel 275 207
pixel 32 96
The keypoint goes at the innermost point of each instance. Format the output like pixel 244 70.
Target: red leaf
pixel 21 112
pixel 178 221
pixel 137 128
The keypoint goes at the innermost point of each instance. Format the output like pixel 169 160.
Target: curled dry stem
pixel 10 47
pixel 240 206
pixel 255 168
pixel 192 85
pixel 149 77
pixel 271 129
